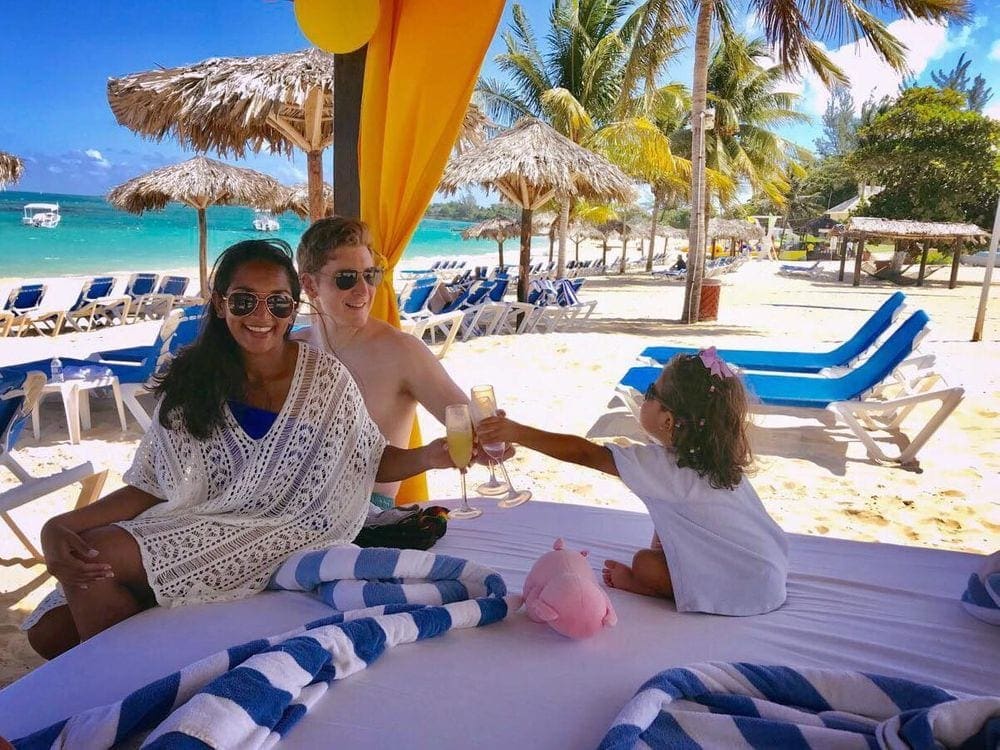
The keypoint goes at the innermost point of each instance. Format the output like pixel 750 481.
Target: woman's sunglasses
pixel 347 280
pixel 242 304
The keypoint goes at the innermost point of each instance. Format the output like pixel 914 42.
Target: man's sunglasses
pixel 346 280
pixel 242 304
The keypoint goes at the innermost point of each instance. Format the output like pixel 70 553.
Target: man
pixel 394 370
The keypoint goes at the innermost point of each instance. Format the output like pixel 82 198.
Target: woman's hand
pixel 69 558
pixel 498 429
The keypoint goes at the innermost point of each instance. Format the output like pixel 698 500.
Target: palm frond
pixel 566 114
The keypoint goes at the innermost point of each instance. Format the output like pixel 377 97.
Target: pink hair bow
pixel 714 363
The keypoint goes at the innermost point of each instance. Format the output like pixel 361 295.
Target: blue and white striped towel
pixel 982 594
pixel 713 705
pixel 251 695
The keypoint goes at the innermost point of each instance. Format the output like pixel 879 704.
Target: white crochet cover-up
pixel 236 507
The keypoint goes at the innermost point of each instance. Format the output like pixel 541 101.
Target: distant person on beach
pixel 394 370
pixel 679 264
pixel 715 549
pixel 260 447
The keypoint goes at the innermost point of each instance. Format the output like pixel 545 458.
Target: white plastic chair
pixel 15 406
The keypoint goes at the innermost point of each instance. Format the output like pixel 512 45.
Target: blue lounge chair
pixel 95 295
pixel 795 270
pixel 19 391
pixel 136 366
pixel 778 361
pixel 138 287
pixel 22 302
pixel 167 296
pixel 848 396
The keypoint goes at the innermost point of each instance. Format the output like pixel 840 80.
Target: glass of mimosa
pixel 458 428
pixel 484 404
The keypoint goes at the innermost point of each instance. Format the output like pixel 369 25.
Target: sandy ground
pixel 813 479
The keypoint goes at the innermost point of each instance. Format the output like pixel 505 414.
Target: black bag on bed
pixel 405 527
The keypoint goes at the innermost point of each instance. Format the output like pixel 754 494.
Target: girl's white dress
pixel 726 555
pixel 234 507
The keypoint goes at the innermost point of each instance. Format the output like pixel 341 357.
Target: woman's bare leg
pixel 107 602
pixel 54 633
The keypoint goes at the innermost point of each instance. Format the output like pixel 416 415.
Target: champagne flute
pixel 484 403
pixel 458 428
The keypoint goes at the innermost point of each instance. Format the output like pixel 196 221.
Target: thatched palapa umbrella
pixel 531 163
pixel 280 102
pixel 11 168
pixel 497 228
pixel 199 183
pixel 298 200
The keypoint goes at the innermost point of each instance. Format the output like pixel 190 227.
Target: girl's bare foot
pixel 619 576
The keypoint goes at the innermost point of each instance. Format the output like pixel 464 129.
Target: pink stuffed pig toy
pixel 561 590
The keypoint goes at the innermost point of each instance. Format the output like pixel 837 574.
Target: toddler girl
pixel 715 549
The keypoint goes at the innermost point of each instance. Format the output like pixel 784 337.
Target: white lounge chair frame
pixel 31 487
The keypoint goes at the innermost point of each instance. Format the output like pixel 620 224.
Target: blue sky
pixel 58 55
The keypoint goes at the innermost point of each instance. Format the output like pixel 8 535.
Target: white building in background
pixel 842 211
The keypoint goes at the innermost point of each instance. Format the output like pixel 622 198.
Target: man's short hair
pixel 321 240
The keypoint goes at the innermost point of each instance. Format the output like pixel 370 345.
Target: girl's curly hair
pixel 711 420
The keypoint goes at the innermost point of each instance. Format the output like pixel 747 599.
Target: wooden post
pixel 859 252
pixel 923 261
pixel 348 80
pixel 957 252
pixel 843 258
pixel 202 253
pixel 525 259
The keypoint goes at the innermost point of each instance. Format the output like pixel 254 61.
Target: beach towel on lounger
pixel 715 705
pixel 251 695
pixel 981 597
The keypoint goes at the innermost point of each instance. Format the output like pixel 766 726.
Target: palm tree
pixel 598 57
pixel 790 27
pixel 743 145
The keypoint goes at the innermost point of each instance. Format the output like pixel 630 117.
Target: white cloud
pixel 994 53
pixel 871 76
pixel 98 159
pixel 993 111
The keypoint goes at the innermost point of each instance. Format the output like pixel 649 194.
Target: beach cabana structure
pixel 281 102
pixel 497 228
pixel 734 230
pixel 298 200
pixel 530 164
pixel 11 168
pixel 861 229
pixel 199 183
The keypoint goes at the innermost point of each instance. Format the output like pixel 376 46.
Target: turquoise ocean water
pixel 93 237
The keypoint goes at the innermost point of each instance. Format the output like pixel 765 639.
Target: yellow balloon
pixel 338 26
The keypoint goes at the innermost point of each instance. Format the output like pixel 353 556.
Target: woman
pixel 260 447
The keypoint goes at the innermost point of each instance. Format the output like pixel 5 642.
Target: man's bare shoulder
pixel 389 338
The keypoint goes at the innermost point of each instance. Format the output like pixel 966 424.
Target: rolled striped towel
pixel 981 597
pixel 715 705
pixel 253 694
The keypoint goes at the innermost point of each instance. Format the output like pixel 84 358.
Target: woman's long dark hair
pixel 203 375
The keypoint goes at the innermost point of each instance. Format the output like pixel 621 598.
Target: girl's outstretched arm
pixel 571 448
pixel 400 463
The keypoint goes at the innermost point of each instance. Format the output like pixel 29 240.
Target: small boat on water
pixel 43 215
pixel 264 221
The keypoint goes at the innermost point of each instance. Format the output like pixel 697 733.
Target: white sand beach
pixel 813 479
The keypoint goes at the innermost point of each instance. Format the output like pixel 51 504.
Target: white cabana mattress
pixel 517 684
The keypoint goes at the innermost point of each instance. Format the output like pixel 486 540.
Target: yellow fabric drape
pixel 420 70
